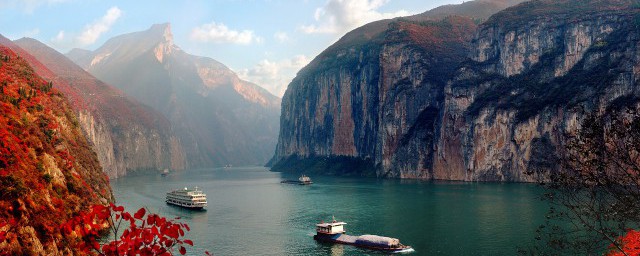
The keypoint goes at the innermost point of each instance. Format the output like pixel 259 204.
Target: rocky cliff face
pixel 361 97
pixel 48 171
pixel 127 135
pixel 531 78
pixel 218 118
pixel 529 75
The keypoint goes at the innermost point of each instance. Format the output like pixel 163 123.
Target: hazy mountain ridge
pixel 126 134
pixel 381 98
pixel 219 118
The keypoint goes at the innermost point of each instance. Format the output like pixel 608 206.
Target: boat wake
pixel 408 250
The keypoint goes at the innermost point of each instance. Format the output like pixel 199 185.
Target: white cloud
pixel 282 37
pixel 59 38
pixel 89 35
pixel 92 32
pixel 339 16
pixel 275 76
pixel 220 33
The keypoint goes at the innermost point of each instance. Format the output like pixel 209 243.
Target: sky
pixel 264 41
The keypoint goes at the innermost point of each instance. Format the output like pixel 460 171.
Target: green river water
pixel 251 213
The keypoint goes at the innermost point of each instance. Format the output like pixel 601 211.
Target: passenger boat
pixel 187 198
pixel 303 180
pixel 165 172
pixel 334 232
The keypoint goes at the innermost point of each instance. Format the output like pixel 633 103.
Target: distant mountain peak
pixel 158 39
pixel 164 31
pixel 219 118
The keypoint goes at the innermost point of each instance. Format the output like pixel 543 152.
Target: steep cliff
pixel 424 99
pixel 48 171
pixel 126 134
pixel 535 70
pixel 218 118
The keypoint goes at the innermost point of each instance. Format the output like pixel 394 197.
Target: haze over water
pixel 251 213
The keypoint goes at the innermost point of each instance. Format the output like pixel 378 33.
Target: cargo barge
pixel 303 180
pixel 334 232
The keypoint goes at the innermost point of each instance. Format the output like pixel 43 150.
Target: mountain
pixel 48 171
pixel 435 97
pixel 479 10
pixel 219 118
pixel 126 134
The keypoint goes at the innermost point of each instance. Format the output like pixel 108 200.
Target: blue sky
pixel 264 41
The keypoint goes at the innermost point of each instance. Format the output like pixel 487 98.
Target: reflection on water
pixel 337 250
pixel 250 213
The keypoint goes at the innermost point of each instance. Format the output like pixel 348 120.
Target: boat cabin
pixel 305 180
pixel 331 228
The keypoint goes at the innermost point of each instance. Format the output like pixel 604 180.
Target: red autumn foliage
pixel 3 234
pixel 48 171
pixel 85 92
pixel 630 244
pixel 150 235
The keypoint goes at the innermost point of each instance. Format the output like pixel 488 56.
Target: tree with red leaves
pixel 595 195
pixel 143 234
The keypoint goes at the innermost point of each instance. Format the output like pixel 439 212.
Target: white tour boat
pixel 187 198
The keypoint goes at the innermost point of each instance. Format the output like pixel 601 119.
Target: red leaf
pixel 126 216
pixel 151 219
pixel 140 213
pixel 189 242
pixel 183 251
pixel 172 233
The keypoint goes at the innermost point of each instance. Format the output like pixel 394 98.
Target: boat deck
pixel 346 239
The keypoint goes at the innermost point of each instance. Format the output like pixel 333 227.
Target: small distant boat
pixel 334 232
pixel 187 198
pixel 165 172
pixel 303 180
pixel 228 166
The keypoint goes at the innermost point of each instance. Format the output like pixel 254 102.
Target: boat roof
pixel 330 224
pixel 186 190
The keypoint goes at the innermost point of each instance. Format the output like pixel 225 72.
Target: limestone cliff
pixel 127 135
pixel 441 99
pixel 534 72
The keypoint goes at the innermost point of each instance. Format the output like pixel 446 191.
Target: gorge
pixel 443 98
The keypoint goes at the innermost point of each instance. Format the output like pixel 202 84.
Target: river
pixel 251 213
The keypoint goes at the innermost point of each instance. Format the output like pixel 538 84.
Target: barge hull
pixel 351 240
